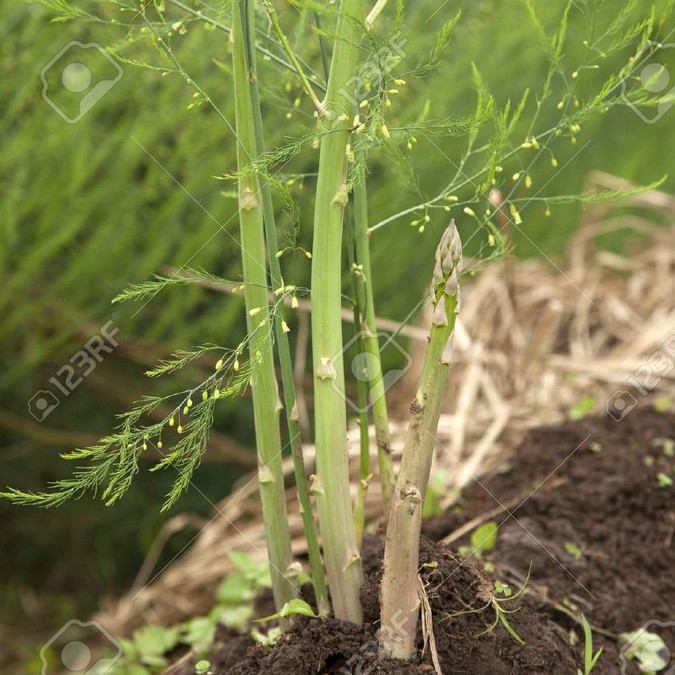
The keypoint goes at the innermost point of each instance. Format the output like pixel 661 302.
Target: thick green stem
pixel 400 602
pixel 284 350
pixel 263 379
pixel 338 534
pixel 376 384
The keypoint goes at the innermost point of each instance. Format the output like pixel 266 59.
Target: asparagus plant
pixel 114 460
pixel 400 603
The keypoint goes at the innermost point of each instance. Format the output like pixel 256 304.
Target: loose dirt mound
pixel 586 507
pixel 458 592
pixel 595 518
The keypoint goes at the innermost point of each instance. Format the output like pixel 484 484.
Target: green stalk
pixel 400 603
pixel 377 391
pixel 263 379
pixel 338 534
pixel 283 347
pixel 361 386
pixel 283 40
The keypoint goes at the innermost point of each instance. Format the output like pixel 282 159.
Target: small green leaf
pixel 573 550
pixel 582 408
pixel 236 617
pixel 484 537
pixel 503 589
pixel 663 404
pixel 292 607
pixel 200 633
pixel 664 479
pixel 267 639
pixel 236 589
pixel 202 667
pixel 153 641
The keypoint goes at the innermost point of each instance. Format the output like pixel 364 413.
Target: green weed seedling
pixel 203 667
pixel 574 550
pixel 483 539
pixel 590 658
pixel 145 653
pixel 663 479
pixel 295 607
pixel 582 408
pixel 502 594
pixel 291 608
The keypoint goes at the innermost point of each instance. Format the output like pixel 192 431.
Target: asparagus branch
pixel 369 327
pixel 400 603
pixel 263 380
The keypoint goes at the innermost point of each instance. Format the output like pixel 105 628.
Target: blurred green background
pixel 128 191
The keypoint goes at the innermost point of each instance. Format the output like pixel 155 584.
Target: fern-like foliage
pixel 180 438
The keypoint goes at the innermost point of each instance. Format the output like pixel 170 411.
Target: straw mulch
pixel 535 340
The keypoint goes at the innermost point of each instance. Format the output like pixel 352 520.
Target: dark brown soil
pixel 589 519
